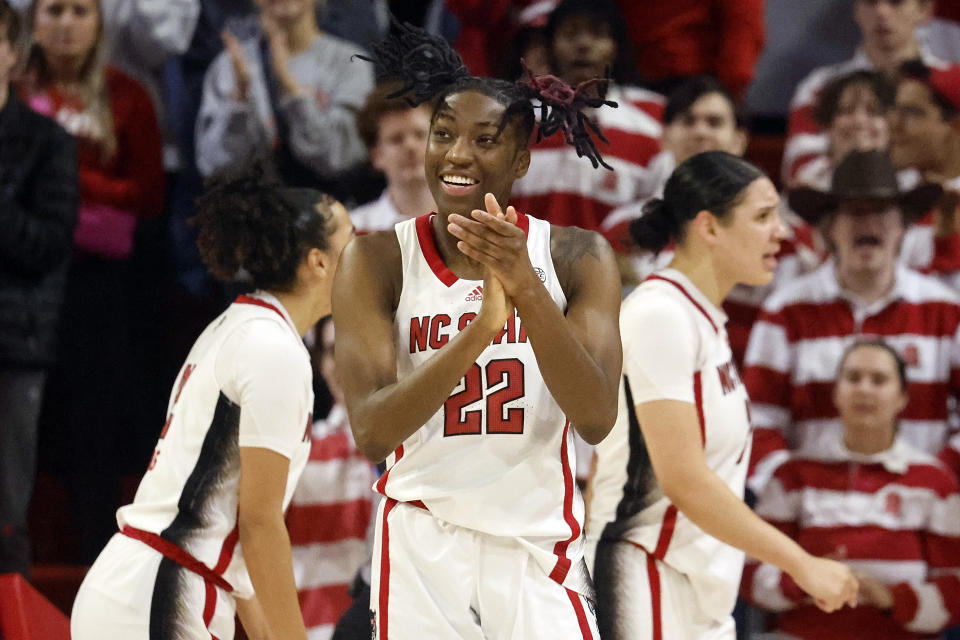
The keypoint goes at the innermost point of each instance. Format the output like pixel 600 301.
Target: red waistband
pixel 178 555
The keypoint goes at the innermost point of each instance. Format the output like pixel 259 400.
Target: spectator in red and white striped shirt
pixel 587 37
pixel 870 499
pixel 888 30
pixel 331 509
pixel 805 325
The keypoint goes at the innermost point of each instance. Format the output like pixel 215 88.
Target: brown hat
pixel 864 175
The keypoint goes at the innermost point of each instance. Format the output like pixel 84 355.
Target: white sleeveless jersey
pixel 498 457
pixel 675 348
pixel 246 382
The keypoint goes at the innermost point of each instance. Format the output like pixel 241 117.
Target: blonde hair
pixel 94 92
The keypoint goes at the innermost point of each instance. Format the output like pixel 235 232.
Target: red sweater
pixel 133 179
pixel 692 37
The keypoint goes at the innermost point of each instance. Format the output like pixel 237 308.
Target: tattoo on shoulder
pixel 572 244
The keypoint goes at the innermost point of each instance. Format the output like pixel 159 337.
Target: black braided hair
pixel 428 68
pixel 247 220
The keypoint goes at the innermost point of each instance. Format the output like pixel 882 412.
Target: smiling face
pixel 709 124
pixel 466 155
pixel 868 394
pixel 583 47
pixel 859 123
pixel 749 235
pixel 67 29
pixel 866 239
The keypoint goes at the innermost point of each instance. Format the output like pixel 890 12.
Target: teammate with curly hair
pixel 470 344
pixel 205 531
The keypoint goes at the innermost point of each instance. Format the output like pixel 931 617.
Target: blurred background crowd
pixel 112 113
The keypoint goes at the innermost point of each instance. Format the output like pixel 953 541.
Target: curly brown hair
pixel 248 221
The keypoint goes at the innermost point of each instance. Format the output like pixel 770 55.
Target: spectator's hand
pixel 280 56
pixel 874 593
pixel 241 69
pixel 831 584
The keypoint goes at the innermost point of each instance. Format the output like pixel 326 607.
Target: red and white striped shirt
pixel 894 515
pixel 796 345
pixel 328 518
pixel 566 190
pixel 806 142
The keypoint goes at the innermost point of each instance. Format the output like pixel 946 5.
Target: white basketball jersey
pixel 675 347
pixel 498 457
pixel 189 494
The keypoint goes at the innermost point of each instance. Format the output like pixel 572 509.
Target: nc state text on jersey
pixel 432 332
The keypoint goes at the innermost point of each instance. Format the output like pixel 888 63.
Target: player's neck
pixel 702 274
pixel 455 260
pixel 303 309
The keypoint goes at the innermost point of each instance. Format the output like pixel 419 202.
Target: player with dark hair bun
pixel 205 536
pixel 667 516
pixel 470 344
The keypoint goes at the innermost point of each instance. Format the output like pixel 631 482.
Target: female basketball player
pixel 468 343
pixel 206 528
pixel 668 489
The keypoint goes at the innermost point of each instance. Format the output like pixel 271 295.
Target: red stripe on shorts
pixel 666 532
pixel 382 482
pixel 560 570
pixel 581 614
pixel 209 604
pixel 654 576
pixel 385 569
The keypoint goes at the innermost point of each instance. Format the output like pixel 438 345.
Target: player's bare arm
pixel 579 353
pixel 671 430
pixel 385 411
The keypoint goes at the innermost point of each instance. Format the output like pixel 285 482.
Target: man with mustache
pixel 862 290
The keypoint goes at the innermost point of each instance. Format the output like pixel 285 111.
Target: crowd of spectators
pixel 112 114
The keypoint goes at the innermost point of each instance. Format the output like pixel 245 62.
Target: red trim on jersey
pixel 581 614
pixel 428 246
pixel 560 570
pixel 382 482
pixel 226 552
pixel 666 532
pixel 689 297
pixel 209 604
pixel 245 299
pixel 654 576
pixel 178 555
pixel 698 399
pixel 385 569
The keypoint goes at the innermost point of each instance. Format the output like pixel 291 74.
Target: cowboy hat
pixel 864 175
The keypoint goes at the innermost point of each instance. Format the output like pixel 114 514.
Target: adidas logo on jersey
pixel 475 296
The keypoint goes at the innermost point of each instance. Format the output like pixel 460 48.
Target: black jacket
pixel 39 196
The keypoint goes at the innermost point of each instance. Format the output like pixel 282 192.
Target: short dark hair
pixel 879 343
pixel 714 181
pixel 248 220
pixel 376 106
pixel 9 19
pixel 828 103
pixel 917 70
pixel 682 98
pixel 607 12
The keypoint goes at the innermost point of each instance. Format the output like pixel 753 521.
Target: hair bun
pixel 655 227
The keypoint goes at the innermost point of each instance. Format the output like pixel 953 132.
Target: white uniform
pixel 658 575
pixel 176 566
pixel 480 535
